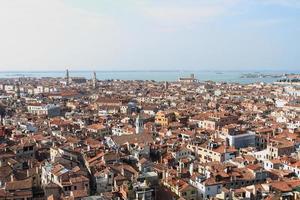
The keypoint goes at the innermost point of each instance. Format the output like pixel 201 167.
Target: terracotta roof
pixel 19 185
pixel 79 179
pixel 281 186
pixel 79 193
pixel 133 139
pixel 96 126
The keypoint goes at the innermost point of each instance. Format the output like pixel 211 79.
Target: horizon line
pixel 37 71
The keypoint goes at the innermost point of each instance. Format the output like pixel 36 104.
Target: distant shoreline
pixel 159 75
pixel 217 71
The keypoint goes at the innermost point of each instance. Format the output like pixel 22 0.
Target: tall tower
pixel 139 125
pixel 18 95
pixel 166 85
pixel 2 112
pixel 67 77
pixel 94 80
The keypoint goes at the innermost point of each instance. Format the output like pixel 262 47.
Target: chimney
pixel 167 173
pixel 178 170
pixel 122 171
pixel 164 175
pixel 12 177
pixel 191 168
pixel 30 164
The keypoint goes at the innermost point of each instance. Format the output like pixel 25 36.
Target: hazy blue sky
pixel 149 34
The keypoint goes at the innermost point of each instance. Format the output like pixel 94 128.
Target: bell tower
pixel 94 81
pixel 139 125
pixel 67 77
pixel 18 93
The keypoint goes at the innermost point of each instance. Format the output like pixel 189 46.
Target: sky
pixel 40 35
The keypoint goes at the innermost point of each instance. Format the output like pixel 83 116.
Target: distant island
pixel 261 75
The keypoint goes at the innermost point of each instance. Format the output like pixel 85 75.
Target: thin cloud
pixel 186 15
pixel 130 34
pixel 261 23
pixel 50 33
pixel 289 3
